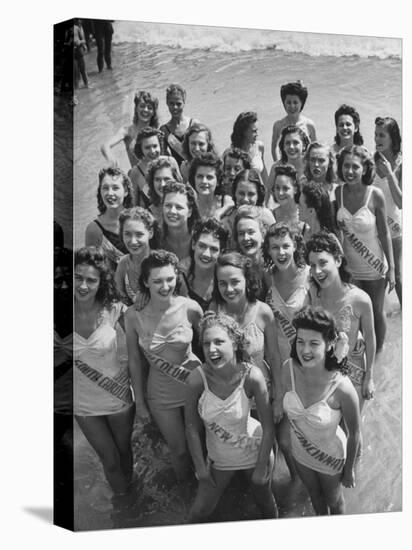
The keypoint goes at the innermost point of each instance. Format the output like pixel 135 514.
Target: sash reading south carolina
pixel 364 252
pixel 117 387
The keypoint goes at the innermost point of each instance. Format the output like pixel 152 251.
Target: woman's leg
pixel 82 69
pixel 332 490
pixel 263 493
pixel 99 435
pixel 376 291
pixel 397 258
pixel 207 496
pixel 171 424
pixel 283 438
pixel 121 425
pixel 312 483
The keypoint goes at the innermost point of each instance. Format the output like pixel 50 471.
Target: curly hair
pixel 252 176
pixel 175 89
pixel 115 173
pixel 146 133
pixel 153 167
pixel 196 129
pixel 249 213
pixel 279 230
pixel 146 97
pixel 366 159
pixel 231 327
pixel 156 259
pixel 317 197
pixel 292 130
pixel 238 260
pixel 319 320
pixel 391 126
pixel 323 241
pixel 208 226
pixel 353 113
pixel 242 123
pixel 187 190
pixel 211 160
pixel 95 256
pixel 140 214
pixel 330 175
pixel 236 153
pixel 289 171
pixel 294 88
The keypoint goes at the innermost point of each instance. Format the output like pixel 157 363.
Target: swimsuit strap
pixel 334 384
pixel 368 196
pixel 203 375
pixel 140 170
pixel 341 196
pixel 100 225
pixel 292 375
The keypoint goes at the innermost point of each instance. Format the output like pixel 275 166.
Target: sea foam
pixel 232 40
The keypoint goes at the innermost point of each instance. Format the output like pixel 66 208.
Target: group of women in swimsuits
pixel 251 302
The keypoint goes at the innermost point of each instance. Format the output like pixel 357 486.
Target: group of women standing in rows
pixel 252 302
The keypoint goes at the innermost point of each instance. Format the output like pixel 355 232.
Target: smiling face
pixel 112 192
pixel 86 283
pixel 231 283
pixel 318 164
pixel 161 282
pixel 292 104
pixel 249 236
pixel 218 347
pixel 205 180
pixel 383 140
pixel 324 268
pixel 352 169
pixel 198 143
pixel 160 178
pixel 206 250
pixel 175 104
pixel 150 148
pixel 281 251
pixel 284 190
pixel 310 348
pixel 136 237
pixel 346 128
pixel 144 112
pixel 231 168
pixel 246 193
pixel 293 146
pixel 176 211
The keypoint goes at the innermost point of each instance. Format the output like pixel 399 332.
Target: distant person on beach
pixel 174 130
pixel 218 400
pixel 113 194
pixel 388 163
pixel 294 96
pixel 80 49
pixel 244 137
pixel 159 172
pixel 197 140
pixel 347 122
pixel 318 394
pixel 103 32
pixel 234 161
pixel 159 343
pixel 103 404
pixel 367 242
pixel 145 114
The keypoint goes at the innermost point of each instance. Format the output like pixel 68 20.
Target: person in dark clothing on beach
pixel 103 32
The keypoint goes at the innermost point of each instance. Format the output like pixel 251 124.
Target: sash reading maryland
pixel 315 452
pixel 117 386
pixel 364 252
pixel 242 441
pixel 177 372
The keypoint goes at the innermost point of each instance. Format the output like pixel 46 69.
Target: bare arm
pixel 384 235
pixel 312 130
pixel 349 403
pixel 368 333
pixel 112 142
pixel 275 138
pixel 395 185
pixel 272 356
pixel 94 235
pixel 264 173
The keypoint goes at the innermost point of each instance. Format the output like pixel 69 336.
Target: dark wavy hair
pixel 252 176
pixel 323 241
pixel 317 197
pixel 391 126
pixel 95 256
pixel 153 167
pixel 294 88
pixel 292 130
pixel 318 319
pixel 207 159
pixel 236 259
pixel 196 129
pixel 175 89
pixel 152 101
pixel 187 190
pixel 236 153
pixel 246 212
pixel 242 123
pixel 280 230
pixel 231 327
pixel 330 176
pixel 366 159
pixel 352 112
pixel 208 226
pixel 146 133
pixel 157 258
pixel 289 171
pixel 140 214
pixel 127 185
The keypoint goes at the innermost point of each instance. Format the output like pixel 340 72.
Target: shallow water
pixel 220 85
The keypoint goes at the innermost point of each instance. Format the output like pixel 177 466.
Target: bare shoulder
pixel 194 311
pixel 345 389
pixel 377 196
pixel 195 381
pixel 93 234
pixel 265 312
